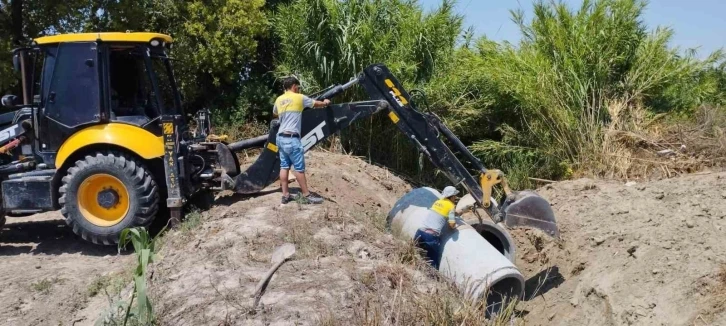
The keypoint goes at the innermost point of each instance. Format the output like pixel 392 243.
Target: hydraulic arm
pixel 423 129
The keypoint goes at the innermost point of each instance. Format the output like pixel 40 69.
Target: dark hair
pixel 289 82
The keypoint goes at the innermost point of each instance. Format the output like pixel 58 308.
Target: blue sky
pixel 697 23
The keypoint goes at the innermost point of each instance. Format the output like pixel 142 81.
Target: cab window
pixel 132 96
pixel 72 97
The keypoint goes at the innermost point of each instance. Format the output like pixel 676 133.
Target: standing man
pixel 441 212
pixel 289 108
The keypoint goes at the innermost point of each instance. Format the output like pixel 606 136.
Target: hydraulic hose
pixel 257 142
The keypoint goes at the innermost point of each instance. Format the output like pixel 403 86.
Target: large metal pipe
pixel 467 258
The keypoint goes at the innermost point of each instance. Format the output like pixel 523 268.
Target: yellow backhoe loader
pixel 99 134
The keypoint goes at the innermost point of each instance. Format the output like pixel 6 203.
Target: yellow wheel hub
pixel 103 199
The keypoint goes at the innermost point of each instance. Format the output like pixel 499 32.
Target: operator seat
pixel 129 113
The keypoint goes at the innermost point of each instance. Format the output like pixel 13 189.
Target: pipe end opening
pixel 503 294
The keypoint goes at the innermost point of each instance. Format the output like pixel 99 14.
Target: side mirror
pixel 10 101
pixel 16 62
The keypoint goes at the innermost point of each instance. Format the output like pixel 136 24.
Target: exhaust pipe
pixel 483 270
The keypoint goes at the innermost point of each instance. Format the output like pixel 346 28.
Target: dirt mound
pixel 206 276
pixel 636 254
pixel 641 254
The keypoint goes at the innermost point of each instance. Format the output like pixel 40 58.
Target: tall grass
pixel 546 107
pixel 580 72
pixel 577 75
pixel 328 41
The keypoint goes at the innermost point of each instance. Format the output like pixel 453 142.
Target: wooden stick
pixel 639 159
pixel 262 285
pixel 542 180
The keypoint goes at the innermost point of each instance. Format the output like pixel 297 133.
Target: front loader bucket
pixel 528 209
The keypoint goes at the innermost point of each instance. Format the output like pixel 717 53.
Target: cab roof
pixel 135 37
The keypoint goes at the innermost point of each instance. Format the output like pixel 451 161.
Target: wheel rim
pixel 103 200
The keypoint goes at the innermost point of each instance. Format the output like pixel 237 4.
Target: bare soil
pixel 643 254
pixel 639 254
pixel 207 276
pixel 50 276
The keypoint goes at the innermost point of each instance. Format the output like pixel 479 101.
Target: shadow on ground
pixel 53 237
pixel 48 237
pixel 542 282
pixel 234 198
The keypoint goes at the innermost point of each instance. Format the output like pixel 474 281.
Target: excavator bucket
pixel 528 209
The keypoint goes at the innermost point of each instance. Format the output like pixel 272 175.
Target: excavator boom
pixel 387 95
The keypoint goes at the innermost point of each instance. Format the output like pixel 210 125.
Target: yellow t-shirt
pixel 443 207
pixel 289 108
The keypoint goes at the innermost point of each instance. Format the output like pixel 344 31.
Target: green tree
pixel 214 39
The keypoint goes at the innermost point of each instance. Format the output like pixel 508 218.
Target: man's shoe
pixel 286 199
pixel 312 198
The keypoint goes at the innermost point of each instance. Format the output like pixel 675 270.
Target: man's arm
pixel 310 103
pixel 452 218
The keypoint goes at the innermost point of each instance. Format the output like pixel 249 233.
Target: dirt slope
pixel 206 276
pixel 644 254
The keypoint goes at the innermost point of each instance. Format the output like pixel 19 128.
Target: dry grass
pixel 45 285
pixel 236 132
pixel 404 290
pixel 636 145
pixel 393 297
pixel 715 294
pixel 301 232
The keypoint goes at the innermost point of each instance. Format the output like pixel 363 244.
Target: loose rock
pixel 598 240
pixel 632 249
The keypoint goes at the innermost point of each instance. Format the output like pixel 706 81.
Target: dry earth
pixel 51 277
pixel 643 254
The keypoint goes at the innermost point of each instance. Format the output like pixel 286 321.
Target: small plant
pixel 43 286
pixel 145 248
pixel 109 284
pixel 98 285
pixel 192 221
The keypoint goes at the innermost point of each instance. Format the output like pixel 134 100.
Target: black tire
pixel 143 195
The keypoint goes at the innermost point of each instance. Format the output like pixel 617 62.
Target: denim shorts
pixel 431 244
pixel 291 152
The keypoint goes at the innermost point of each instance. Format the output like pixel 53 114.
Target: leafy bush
pixel 574 73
